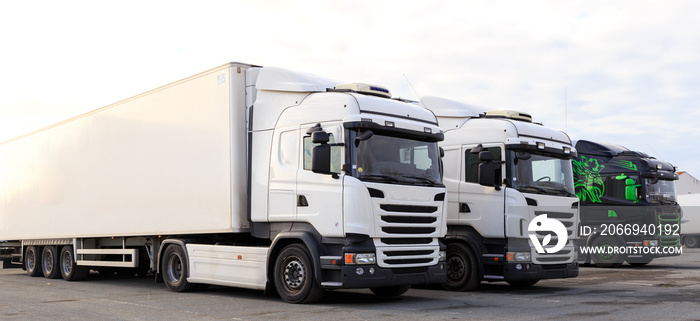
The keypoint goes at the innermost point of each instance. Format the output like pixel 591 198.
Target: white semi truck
pixel 245 176
pixel 502 172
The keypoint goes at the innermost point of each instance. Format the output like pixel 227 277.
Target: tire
pixel 690 241
pixel 462 269
pixel 390 291
pixel 174 267
pixel 523 284
pixel 32 261
pixel 70 270
pixel 294 276
pixel 606 260
pixel 49 262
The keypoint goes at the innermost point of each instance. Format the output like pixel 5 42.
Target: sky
pixel 623 72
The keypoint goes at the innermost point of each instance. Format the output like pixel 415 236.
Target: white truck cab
pixel 503 172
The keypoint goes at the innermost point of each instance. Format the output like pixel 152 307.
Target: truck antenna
pixel 655 152
pixel 414 89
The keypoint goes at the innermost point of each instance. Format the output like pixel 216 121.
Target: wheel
pixel 390 291
pixel 462 269
pixel 294 276
pixel 523 284
pixel 32 257
pixel 70 270
pixel 174 267
pixel 49 262
pixel 606 260
pixel 690 241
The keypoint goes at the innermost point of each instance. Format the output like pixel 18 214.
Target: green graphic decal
pixel 587 181
pixel 612 213
pixel 624 164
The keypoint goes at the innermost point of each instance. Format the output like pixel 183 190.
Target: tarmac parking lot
pixel 666 289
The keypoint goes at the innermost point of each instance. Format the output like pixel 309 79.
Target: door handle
pixel 464 208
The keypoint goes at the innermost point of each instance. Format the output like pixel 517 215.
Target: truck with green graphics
pixel 628 206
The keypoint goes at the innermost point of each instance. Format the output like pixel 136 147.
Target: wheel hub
pixel 456 268
pixel 294 274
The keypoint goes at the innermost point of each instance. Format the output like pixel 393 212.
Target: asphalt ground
pixel 666 289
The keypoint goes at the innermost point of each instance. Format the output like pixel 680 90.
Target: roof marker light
pixel 540 145
pixel 389 123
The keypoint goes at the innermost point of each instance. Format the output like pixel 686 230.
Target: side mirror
pixel 631 190
pixel 487 169
pixel 442 152
pixel 319 137
pixel 487 174
pixel 321 158
pixel 485 156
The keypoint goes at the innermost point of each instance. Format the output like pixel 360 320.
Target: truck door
pixel 284 160
pixel 320 196
pixel 481 207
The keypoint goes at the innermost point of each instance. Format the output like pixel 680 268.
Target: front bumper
pixel 530 271
pixel 383 277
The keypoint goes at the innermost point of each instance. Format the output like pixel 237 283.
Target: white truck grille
pixel 565 255
pixel 408 235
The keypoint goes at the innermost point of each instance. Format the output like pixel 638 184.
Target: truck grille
pixel 564 255
pixel 407 234
pixel 668 215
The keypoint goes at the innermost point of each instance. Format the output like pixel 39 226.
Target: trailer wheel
pixel 390 291
pixel 462 269
pixel 70 270
pixel 294 276
pixel 32 258
pixel 690 241
pixel 49 262
pixel 174 268
pixel 606 260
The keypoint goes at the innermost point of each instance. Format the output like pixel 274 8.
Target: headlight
pixel 652 243
pixel 442 256
pixel 360 258
pixel 518 256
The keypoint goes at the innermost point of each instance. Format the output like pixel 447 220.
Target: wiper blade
pixel 548 190
pixel 379 177
pixel 537 189
pixel 422 178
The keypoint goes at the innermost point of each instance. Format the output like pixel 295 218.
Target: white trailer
pixel 503 172
pixel 246 176
pixel 690 223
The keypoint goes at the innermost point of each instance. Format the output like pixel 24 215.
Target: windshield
pixel 395 160
pixel 539 174
pixel 660 191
